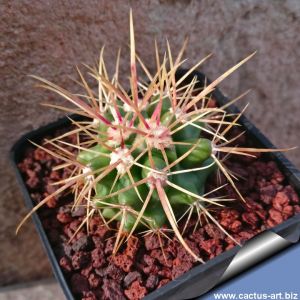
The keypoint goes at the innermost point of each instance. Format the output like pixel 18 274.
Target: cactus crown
pixel 144 157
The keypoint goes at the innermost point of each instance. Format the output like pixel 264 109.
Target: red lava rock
pixel 294 198
pixel 68 231
pixel 64 215
pixel 98 242
pixel 235 226
pixel 131 277
pixel 153 269
pixel 212 247
pixel 151 242
pixel 279 187
pixel 184 255
pixel 179 268
pixel 112 290
pixel 227 216
pixel 86 271
pixel 75 224
pixel 33 178
pixel 100 272
pixel 152 282
pixel 52 202
pixel 123 261
pixel 276 216
pixel 80 259
pixel 55 175
pixel 213 231
pixel 32 182
pixel 163 282
pixel 136 291
pixel 65 263
pixel 149 260
pixel 114 272
pixel 243 236
pixel 79 284
pixel 162 257
pixel 97 228
pixel 78 212
pixel 229 246
pixel 250 205
pixel 297 209
pixel 267 193
pixel 84 243
pixel 271 170
pixel 170 248
pixel 94 224
pixel 262 214
pixel 94 280
pixel 277 176
pixel 270 223
pixel 198 236
pixel 132 247
pixel 262 182
pixel 287 212
pixel 165 273
pixel 280 201
pixel 193 246
pixel 41 155
pixel 26 163
pixel 89 296
pixel 98 258
pixel 109 246
pixel 250 218
pixel 79 235
pixel 254 207
pixel 49 187
pixel 67 250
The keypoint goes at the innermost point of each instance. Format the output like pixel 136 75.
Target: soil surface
pixel 142 265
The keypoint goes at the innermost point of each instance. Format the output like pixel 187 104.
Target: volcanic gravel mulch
pixel 141 266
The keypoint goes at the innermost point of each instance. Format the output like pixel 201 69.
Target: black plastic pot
pixel 203 277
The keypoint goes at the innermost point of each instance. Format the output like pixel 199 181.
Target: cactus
pixel 145 157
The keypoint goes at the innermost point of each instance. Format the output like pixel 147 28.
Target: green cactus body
pixel 166 105
pixel 204 174
pixel 94 158
pixel 193 182
pixel 131 197
pixel 187 133
pixel 159 164
pixel 167 118
pixel 129 221
pixel 199 154
pixel 110 213
pixel 178 198
pixel 155 215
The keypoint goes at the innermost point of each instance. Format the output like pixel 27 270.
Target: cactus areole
pixel 143 158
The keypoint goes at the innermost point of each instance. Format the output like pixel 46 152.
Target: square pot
pixel 201 278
